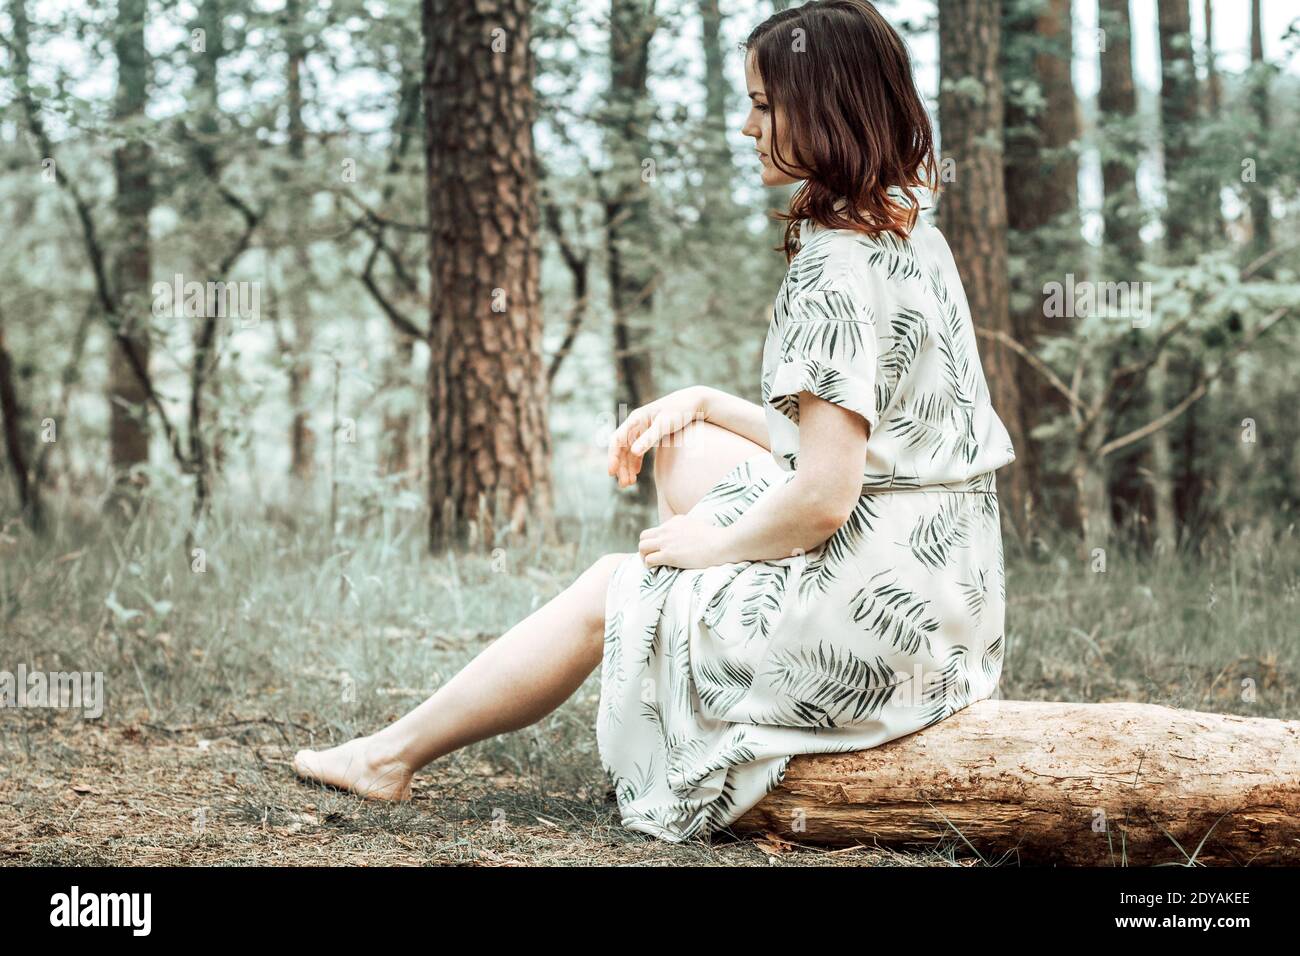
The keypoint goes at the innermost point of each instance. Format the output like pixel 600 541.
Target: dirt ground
pixel 84 793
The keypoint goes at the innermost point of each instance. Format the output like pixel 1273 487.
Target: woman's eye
pixel 762 107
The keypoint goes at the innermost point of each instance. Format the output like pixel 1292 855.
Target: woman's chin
pixel 772 177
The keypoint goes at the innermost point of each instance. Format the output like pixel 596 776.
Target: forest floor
pixel 218 667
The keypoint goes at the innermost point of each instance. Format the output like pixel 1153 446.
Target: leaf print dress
pixel 713 678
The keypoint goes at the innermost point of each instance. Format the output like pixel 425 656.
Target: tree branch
pixel 400 322
pixel 1035 363
pixel 1203 384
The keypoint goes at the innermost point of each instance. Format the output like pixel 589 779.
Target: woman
pixel 828 573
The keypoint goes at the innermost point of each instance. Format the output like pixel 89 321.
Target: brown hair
pixel 857 121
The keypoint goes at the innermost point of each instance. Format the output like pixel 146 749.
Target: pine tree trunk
pixel 205 334
pixel 489 444
pixel 973 211
pixel 26 466
pixel 1090 473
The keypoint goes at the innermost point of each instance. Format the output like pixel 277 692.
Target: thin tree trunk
pixel 718 209
pixel 1122 145
pixel 1261 218
pixel 629 230
pixel 206 67
pixel 1184 234
pixel 1213 105
pixel 28 488
pixel 1162 464
pixel 1213 87
pixel 27 478
pixel 397 423
pixel 133 201
pixel 1090 471
pixel 1041 172
pixel 1117 104
pixel 302 439
pixel 487 396
pixel 1177 119
pixel 973 213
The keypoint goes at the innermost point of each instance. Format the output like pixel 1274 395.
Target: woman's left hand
pixel 685 542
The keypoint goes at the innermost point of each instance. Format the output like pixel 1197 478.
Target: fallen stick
pixel 1079 784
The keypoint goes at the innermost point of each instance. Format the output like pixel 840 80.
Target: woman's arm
pixel 791 520
pixel 735 415
pixel 798 515
pixel 809 508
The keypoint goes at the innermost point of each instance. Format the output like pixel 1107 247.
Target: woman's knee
pixel 681 456
pixel 692 437
pixel 602 569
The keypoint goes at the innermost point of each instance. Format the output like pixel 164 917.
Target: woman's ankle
pixel 383 752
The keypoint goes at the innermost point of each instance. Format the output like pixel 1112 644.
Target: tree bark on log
pixel 1040 782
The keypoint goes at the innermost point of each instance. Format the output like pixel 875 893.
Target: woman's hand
pixel 649 425
pixel 685 542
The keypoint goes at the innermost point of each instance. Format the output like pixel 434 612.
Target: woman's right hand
pixel 649 425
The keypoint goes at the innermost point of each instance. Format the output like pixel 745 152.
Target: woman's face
pixel 759 125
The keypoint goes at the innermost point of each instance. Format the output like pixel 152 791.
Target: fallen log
pixel 1037 782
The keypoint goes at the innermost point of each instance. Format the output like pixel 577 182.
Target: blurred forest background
pixel 316 315
pixel 463 241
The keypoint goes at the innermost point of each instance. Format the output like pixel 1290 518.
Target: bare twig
pixel 1203 384
pixel 400 321
pixel 1036 363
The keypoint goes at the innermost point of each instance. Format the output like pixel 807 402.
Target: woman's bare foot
pixel 359 766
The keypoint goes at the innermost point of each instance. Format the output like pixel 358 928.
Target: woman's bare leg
pixel 693 460
pixel 537 664
pixel 514 682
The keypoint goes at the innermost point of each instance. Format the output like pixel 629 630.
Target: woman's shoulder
pixel 876 263
pixel 880 267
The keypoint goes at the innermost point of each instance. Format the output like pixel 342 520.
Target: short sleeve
pixel 827 347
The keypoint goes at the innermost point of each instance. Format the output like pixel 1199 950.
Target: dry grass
pixel 141 795
pixel 292 638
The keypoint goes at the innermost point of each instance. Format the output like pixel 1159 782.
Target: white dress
pixel 713 678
